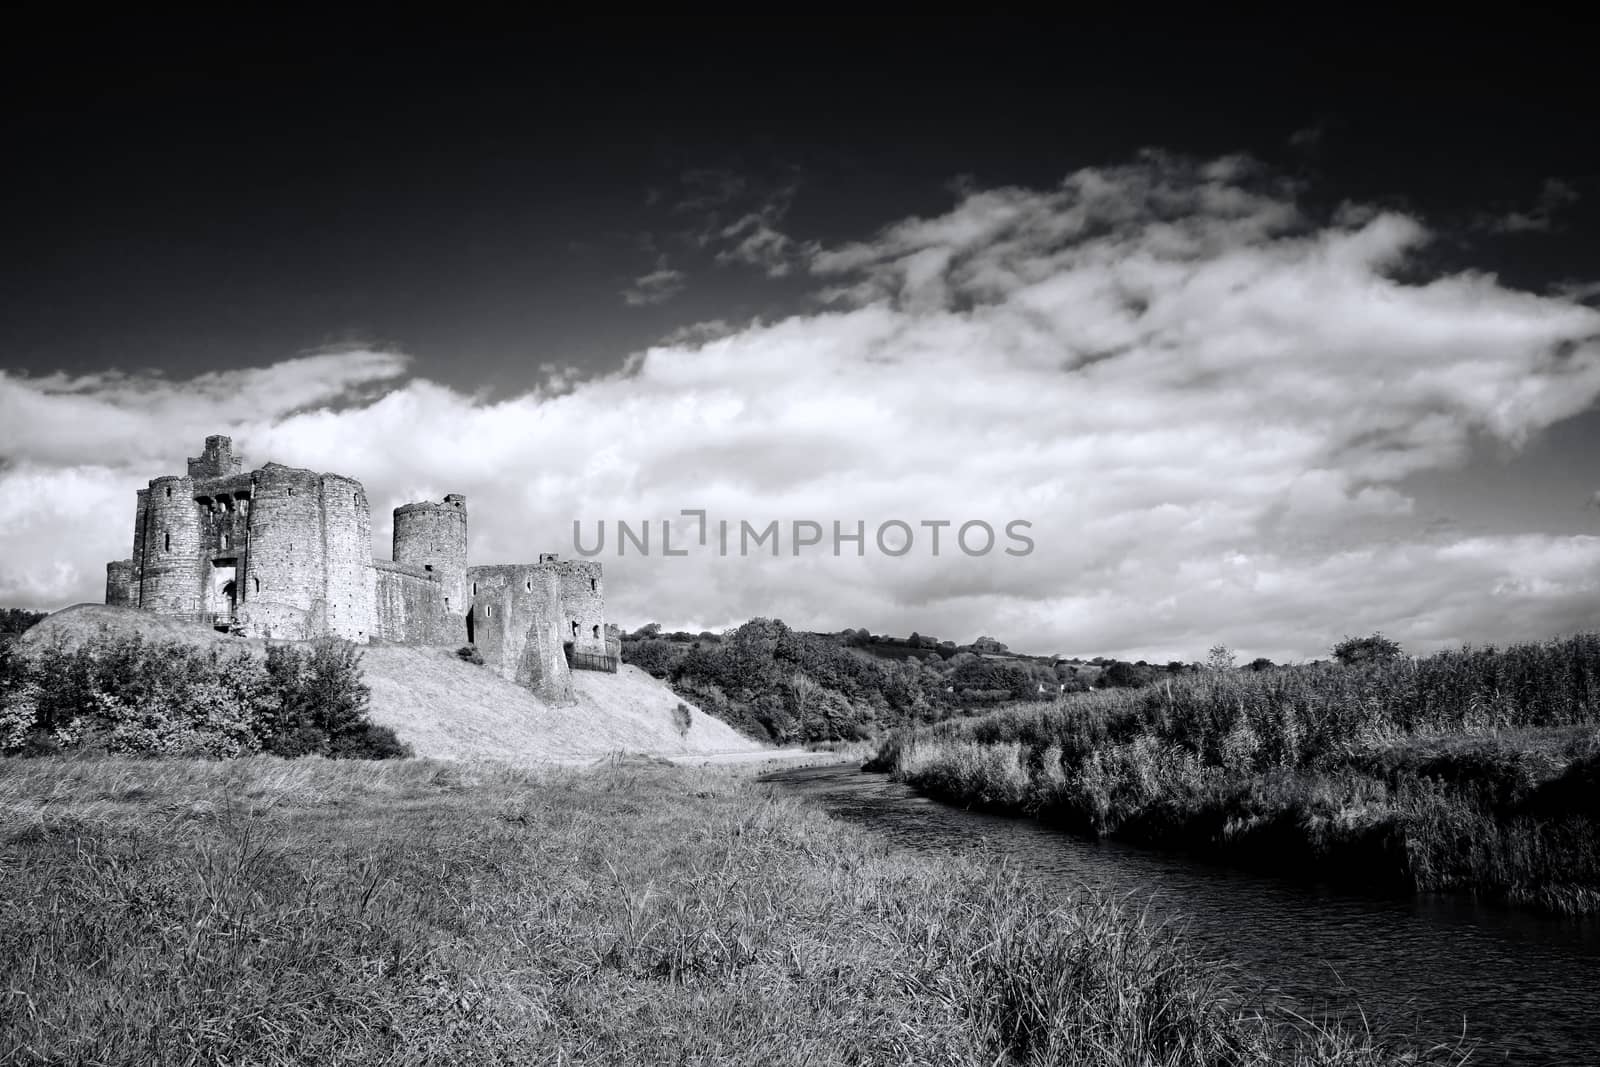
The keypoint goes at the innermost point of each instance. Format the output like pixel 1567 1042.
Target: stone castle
pixel 285 553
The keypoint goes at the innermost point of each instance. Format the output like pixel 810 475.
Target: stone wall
pixel 119 583
pixel 514 618
pixel 217 460
pixel 347 551
pixel 583 601
pixel 171 579
pixel 289 552
pixel 283 622
pixel 223 505
pixel 410 607
pixel 434 535
pixel 285 564
pixel 140 508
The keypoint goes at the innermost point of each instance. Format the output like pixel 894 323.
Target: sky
pixel 1263 336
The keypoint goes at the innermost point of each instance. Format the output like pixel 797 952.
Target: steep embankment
pixel 446 708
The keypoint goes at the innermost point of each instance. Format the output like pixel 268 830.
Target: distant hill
pixel 447 708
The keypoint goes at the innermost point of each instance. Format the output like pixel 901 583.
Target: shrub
pixel 123 694
pixel 682 719
pixel 1374 648
pixel 470 654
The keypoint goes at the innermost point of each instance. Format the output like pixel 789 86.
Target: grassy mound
pixel 445 707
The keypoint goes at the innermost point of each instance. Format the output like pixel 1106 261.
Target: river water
pixel 1525 987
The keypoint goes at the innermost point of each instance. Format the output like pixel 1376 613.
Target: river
pixel 1526 987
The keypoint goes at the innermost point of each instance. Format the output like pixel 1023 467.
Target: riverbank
pixel 1466 771
pixel 271 911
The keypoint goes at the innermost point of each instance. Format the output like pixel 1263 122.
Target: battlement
pixel 217 460
pixel 452 503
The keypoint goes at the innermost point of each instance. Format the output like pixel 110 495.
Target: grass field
pixel 266 911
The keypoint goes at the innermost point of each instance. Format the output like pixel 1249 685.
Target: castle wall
pixel 216 461
pixel 289 552
pixel 583 600
pixel 119 583
pixel 347 551
pixel 434 535
pixel 515 621
pixel 285 564
pixel 172 578
pixel 409 607
pixel 283 622
pixel 137 577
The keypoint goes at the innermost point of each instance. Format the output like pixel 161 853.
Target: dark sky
pixel 193 194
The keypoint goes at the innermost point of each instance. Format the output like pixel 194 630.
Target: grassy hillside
pixel 444 707
pixel 447 708
pixel 270 912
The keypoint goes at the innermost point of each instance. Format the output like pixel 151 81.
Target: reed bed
pixel 1468 770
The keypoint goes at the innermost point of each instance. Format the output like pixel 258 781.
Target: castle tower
pixel 515 620
pixel 287 563
pixel 119 583
pixel 136 579
pixel 171 573
pixel 434 536
pixel 217 461
pixel 582 593
pixel 347 549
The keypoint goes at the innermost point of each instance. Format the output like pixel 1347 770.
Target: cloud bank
pixel 1202 399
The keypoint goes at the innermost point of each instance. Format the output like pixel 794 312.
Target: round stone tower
pixel 287 561
pixel 171 577
pixel 119 584
pixel 434 535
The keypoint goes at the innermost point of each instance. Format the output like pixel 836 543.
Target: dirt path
pixel 765 760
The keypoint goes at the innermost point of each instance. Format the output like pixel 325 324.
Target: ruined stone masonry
pixel 285 553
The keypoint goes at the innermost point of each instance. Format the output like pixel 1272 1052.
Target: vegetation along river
pixel 1526 986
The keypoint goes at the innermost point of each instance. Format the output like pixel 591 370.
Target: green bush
pixel 470 654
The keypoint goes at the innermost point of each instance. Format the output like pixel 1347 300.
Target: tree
pixel 1262 663
pixel 1220 658
pixel 1124 675
pixel 1374 648
pixel 802 694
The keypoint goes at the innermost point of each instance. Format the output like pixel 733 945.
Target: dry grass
pixel 263 911
pixel 447 708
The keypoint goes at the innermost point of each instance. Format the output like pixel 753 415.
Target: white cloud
pixel 1203 399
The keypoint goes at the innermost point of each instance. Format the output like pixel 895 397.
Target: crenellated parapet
pixel 434 535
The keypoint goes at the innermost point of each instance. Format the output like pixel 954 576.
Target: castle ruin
pixel 280 552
